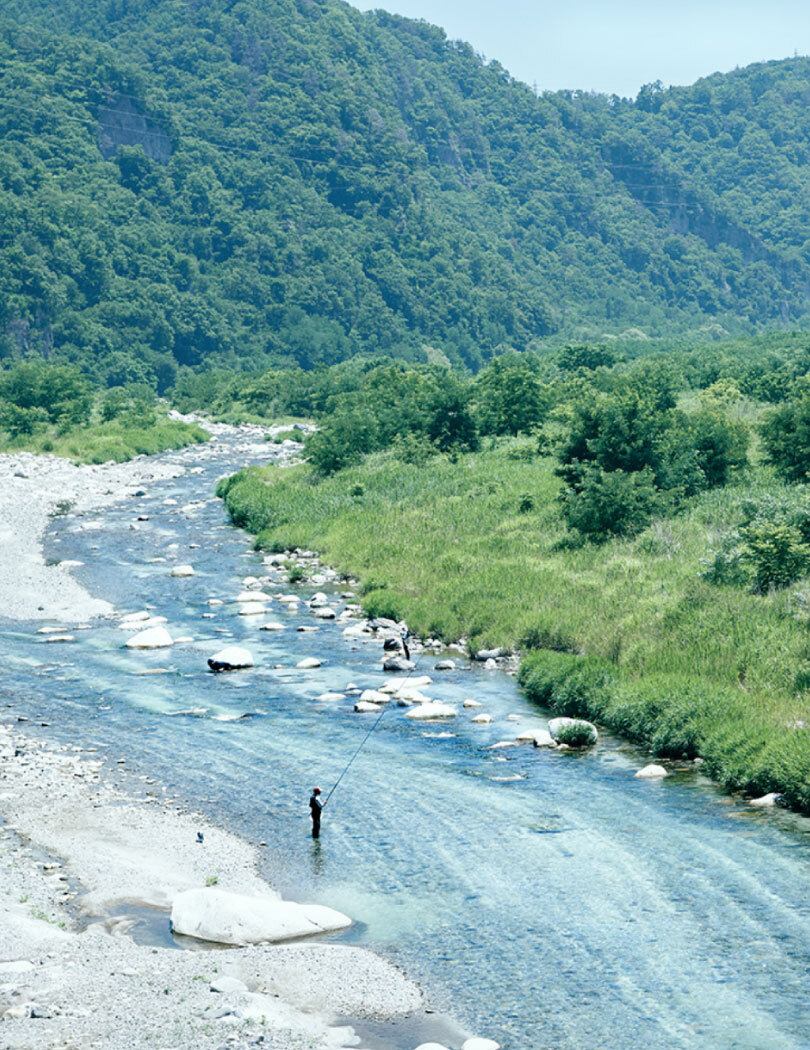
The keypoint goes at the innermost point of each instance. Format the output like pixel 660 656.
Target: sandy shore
pixel 72 851
pixel 37 487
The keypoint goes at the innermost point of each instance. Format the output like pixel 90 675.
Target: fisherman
pixel 315 807
pixel 404 639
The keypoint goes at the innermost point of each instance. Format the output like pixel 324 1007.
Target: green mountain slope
pixel 290 181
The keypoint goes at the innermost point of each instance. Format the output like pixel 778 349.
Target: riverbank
pixel 628 633
pixel 78 857
pixel 37 487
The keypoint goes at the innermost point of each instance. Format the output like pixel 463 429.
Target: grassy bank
pixel 114 440
pixel 627 633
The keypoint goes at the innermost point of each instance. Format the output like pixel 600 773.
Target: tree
pixel 611 503
pixel 785 433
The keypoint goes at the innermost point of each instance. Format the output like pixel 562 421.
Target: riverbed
pixel 546 899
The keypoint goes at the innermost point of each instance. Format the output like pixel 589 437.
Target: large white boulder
pixel 252 609
pixel 651 772
pixel 232 658
pixel 432 709
pixel 482 719
pixel 183 570
pixel 324 612
pixel 309 663
pixel 364 706
pixel 135 616
pixel 152 638
pixel 272 625
pixel 212 914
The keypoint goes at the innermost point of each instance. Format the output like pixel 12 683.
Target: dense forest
pixel 291 182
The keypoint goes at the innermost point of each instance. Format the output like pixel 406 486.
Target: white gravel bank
pixel 61 988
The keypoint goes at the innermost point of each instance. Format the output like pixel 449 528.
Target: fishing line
pixel 368 734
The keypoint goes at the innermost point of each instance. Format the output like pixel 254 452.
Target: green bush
pixel 777 554
pixel 613 503
pixel 575 734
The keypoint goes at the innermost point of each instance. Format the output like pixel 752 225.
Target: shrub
pixel 777 554
pixel 611 503
pixel 575 734
pixel 785 433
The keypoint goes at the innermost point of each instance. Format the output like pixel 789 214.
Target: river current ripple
pixel 547 900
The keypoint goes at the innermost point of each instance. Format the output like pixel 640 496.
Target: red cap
pixel 316 791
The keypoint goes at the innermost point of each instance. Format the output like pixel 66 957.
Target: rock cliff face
pixel 123 124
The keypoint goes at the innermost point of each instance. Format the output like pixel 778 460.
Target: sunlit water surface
pixel 546 900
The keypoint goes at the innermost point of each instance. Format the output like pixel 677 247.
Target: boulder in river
pixel 365 706
pixel 216 915
pixel 324 612
pixel 374 696
pixel 575 732
pixel 480 1044
pixel 398 663
pixel 766 801
pixel 152 638
pixel 651 772
pixel 183 570
pixel 445 665
pixel 272 625
pixel 253 596
pixel 469 702
pixel 392 645
pixel 489 654
pixel 309 663
pixel 432 709
pixel 482 719
pixel 252 609
pixel 233 658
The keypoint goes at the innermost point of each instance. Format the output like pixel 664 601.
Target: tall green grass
pixel 627 633
pixel 115 440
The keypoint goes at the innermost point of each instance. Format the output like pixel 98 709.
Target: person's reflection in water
pixel 317 859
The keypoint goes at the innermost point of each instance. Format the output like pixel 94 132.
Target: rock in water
pixel 765 801
pixel 232 918
pixel 252 609
pixel 308 663
pixel 272 625
pixel 480 1044
pixel 398 663
pixel 445 665
pixel 651 772
pixel 564 730
pixel 231 659
pixel 183 570
pixel 432 709
pixel 324 613
pixel 482 719
pixel 489 654
pixel 153 638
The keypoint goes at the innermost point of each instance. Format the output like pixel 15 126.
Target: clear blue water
pixel 574 908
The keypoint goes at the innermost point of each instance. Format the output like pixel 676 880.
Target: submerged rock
pixel 232 658
pixel 232 918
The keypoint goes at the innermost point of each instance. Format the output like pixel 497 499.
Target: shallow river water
pixel 546 900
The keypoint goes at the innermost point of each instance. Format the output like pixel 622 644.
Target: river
pixel 548 900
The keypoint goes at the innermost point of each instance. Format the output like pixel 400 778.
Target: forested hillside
pixel 276 182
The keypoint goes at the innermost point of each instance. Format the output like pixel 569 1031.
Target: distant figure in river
pixel 315 807
pixel 200 836
pixel 404 641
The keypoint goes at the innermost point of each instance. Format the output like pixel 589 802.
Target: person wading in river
pixel 404 642
pixel 315 807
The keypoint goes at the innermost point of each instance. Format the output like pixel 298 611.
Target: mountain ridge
pixel 282 182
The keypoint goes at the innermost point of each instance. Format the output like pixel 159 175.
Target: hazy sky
pixel 618 46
